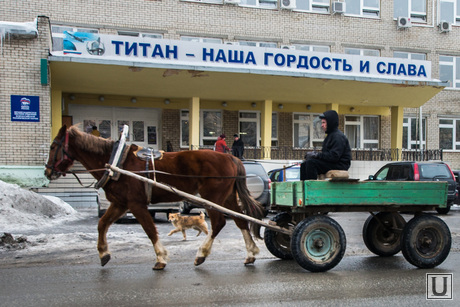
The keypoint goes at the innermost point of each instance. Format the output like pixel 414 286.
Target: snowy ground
pixel 38 230
pixel 46 230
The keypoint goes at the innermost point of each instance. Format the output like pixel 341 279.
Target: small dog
pixel 183 223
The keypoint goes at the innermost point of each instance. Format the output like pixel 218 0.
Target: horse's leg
pixel 217 223
pixel 251 246
pixel 144 218
pixel 112 214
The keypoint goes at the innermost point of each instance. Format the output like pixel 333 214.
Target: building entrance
pixel 143 123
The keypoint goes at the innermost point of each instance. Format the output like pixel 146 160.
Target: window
pixel 307 130
pixel 365 8
pixel 184 128
pixel 311 48
pixel 411 135
pixel 249 124
pixel 274 129
pixel 449 70
pixel 415 9
pixel 363 52
pixel 258 44
pixel 411 56
pixel 137 34
pixel 210 127
pixel 320 6
pixel 362 131
pixel 269 4
pixel 201 39
pixel 449 10
pixel 205 1
pixel 449 134
pixel 59 34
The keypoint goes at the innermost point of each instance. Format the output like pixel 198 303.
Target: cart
pixel 318 242
pixel 301 229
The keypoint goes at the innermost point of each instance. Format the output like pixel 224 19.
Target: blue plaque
pixel 25 108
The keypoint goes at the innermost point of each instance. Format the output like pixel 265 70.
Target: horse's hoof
pixel 105 259
pixel 199 260
pixel 249 260
pixel 159 266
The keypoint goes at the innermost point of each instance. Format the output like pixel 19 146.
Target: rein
pixel 162 173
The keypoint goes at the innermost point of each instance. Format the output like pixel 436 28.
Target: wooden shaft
pixel 199 200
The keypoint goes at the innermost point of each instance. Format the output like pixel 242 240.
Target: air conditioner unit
pixel 287 4
pixel 404 22
pixel 338 7
pixel 288 47
pixel 445 26
pixel 232 1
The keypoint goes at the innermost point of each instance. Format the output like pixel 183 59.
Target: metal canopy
pixel 74 75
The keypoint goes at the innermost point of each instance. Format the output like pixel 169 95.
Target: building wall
pixel 24 145
pixel 171 128
pixel 173 18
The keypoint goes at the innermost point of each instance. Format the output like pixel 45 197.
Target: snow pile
pixel 22 210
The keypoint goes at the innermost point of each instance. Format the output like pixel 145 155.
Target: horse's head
pixel 59 158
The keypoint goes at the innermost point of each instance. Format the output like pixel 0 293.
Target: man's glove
pixel 311 155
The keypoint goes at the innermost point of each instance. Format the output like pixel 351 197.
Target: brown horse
pixel 202 172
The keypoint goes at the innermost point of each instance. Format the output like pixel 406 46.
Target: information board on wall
pixel 25 108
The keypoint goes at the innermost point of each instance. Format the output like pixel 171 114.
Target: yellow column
pixel 266 133
pixel 194 123
pixel 333 106
pixel 397 116
pixel 56 112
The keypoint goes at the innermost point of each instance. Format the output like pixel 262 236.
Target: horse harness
pixel 144 154
pixel 149 154
pixel 63 147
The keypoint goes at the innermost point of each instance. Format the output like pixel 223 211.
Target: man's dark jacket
pixel 238 148
pixel 336 148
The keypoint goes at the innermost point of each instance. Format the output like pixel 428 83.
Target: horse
pixel 217 177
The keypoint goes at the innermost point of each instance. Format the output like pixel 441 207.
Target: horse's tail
pixel 250 206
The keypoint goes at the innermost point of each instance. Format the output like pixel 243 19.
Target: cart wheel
pixel 318 243
pixel 426 241
pixel 382 233
pixel 277 243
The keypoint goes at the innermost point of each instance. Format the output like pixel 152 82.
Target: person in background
pixel 238 147
pixel 220 145
pixel 335 154
pixel 95 132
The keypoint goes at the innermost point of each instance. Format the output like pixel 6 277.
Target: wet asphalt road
pixel 360 279
pixel 356 281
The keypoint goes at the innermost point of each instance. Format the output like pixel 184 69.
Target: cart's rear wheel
pixel 426 241
pixel 277 243
pixel 382 233
pixel 318 243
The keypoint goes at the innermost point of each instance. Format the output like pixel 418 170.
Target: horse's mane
pixel 89 142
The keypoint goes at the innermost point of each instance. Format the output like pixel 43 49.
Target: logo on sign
pixel 25 103
pixel 439 286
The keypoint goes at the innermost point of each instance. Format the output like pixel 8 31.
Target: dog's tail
pixel 250 206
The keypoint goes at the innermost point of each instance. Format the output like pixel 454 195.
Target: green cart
pixel 317 242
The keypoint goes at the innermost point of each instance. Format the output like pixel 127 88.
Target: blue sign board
pixel 25 108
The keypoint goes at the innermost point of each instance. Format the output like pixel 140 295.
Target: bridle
pixel 63 147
